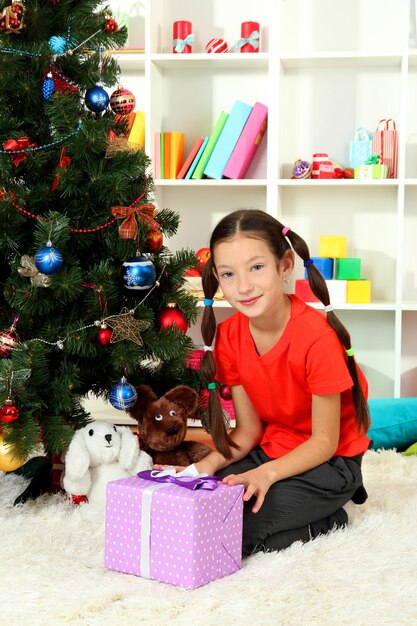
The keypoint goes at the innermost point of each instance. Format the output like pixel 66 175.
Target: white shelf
pixel 324 69
pixel 337 60
pixel 207 182
pixel 342 182
pixel 232 60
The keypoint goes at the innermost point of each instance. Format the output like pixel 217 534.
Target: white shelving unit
pixel 324 69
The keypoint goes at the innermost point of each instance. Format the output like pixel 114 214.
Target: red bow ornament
pixel 18 148
pixel 63 162
pixel 128 229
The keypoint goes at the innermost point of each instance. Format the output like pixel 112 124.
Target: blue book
pixel 228 138
pixel 196 159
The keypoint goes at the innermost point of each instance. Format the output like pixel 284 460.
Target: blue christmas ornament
pixel 48 86
pixel 57 44
pixel 96 99
pixel 138 273
pixel 123 395
pixel 49 260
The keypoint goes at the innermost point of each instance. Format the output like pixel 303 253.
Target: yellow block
pixel 137 132
pixel 358 291
pixel 333 246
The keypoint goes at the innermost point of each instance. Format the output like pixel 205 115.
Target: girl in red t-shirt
pixel 298 395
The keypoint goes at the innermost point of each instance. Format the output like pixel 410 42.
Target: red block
pixel 303 291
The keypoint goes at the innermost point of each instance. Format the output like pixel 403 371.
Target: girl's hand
pixel 178 468
pixel 256 483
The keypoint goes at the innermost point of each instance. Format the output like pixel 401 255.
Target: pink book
pixel 248 142
pixel 190 158
pixel 157 155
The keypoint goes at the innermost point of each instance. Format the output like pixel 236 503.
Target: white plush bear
pixel 98 453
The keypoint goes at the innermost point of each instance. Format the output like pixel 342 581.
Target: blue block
pixel 324 265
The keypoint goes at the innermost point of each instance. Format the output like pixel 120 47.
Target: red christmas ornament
pixel 8 412
pixel 104 335
pixel 154 241
pixel 8 340
pixel 216 46
pixel 225 392
pixel 171 316
pixel 122 101
pixel 112 26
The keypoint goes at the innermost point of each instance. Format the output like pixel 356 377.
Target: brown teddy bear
pixel 163 425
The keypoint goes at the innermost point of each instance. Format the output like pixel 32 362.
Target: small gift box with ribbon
pixel 183 530
pixel 372 168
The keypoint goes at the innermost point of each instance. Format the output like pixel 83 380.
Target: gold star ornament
pixel 125 326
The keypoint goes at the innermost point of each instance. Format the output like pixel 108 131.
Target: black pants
pixel 301 507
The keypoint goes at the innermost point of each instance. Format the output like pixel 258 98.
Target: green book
pixel 162 154
pixel 201 165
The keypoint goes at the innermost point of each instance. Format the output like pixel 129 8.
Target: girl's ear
pixel 287 262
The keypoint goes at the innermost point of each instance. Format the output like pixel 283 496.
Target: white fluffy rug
pixel 51 568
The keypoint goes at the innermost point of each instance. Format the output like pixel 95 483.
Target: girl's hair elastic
pixel 208 348
pixel 208 301
pixel 308 262
pixel 212 386
pixel 285 230
pixel 328 308
pixel 350 351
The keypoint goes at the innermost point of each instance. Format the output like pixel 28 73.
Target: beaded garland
pixel 71 230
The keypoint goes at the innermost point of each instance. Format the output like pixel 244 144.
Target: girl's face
pixel 249 275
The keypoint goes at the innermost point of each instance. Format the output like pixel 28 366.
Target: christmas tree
pixel 87 284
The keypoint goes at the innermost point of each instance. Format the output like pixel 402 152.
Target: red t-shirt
pixel 307 359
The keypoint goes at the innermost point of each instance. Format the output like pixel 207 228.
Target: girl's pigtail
pixel 216 423
pixel 319 288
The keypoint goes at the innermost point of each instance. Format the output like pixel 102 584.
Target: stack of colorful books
pixel 226 153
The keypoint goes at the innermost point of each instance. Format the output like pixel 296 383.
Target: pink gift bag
pixel 385 144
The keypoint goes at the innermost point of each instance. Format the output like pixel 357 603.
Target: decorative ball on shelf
pixel 104 335
pixel 154 240
pixel 123 395
pixel 122 101
pixel 96 99
pixel 216 45
pixel 138 273
pixel 8 340
pixel 49 260
pixel 8 412
pixel 48 86
pixel 172 316
pixel 9 462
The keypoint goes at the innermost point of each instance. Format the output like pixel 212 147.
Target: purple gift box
pixel 169 533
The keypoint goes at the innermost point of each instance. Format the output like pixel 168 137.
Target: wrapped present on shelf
pixel 180 530
pixel 372 168
pixel 385 145
pixel 360 148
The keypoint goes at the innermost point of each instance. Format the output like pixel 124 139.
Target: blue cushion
pixel 393 422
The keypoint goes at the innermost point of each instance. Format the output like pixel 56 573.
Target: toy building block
pixel 324 265
pixel 303 291
pixel 348 268
pixel 333 246
pixel 337 290
pixel 358 291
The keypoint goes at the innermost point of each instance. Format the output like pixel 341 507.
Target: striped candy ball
pixel 216 45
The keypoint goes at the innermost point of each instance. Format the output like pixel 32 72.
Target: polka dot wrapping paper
pixel 172 534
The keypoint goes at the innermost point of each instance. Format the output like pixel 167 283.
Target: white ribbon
pixel 145 520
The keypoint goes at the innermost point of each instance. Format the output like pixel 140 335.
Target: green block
pixel 348 269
